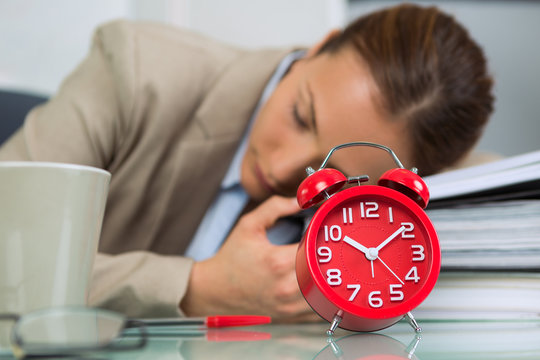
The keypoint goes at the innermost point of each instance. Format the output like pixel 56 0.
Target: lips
pixel 262 180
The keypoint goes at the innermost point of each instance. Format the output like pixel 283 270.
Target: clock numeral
pixel 332 233
pixel 390 215
pixel 412 275
pixel 395 292
pixel 407 233
pixel 355 288
pixel 333 277
pixel 369 210
pixel 418 253
pixel 325 254
pixel 374 299
pixel 347 216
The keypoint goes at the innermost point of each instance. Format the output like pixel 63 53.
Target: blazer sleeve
pixel 86 123
pixel 140 283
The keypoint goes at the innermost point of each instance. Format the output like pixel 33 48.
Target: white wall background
pixel 42 41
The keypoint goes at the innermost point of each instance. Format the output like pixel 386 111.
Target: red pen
pixel 211 328
pixel 218 321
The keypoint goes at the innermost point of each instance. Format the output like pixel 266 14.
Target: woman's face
pixel 323 101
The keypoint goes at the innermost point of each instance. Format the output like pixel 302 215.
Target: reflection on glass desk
pixel 438 340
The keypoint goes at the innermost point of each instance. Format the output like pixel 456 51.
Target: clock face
pixel 373 252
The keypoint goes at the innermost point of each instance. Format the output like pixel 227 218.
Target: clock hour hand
pixel 390 238
pixel 356 245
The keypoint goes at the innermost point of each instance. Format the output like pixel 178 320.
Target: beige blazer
pixel 163 110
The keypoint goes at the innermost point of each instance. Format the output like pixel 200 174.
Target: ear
pixel 315 48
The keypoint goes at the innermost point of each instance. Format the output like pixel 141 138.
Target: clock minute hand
pixel 356 244
pixel 390 238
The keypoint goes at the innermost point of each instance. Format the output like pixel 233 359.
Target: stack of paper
pixel 487 218
pixel 493 235
pixel 510 178
pixel 472 296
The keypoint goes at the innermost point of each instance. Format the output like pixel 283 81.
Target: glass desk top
pixel 438 340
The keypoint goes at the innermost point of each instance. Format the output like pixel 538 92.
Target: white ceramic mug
pixel 50 222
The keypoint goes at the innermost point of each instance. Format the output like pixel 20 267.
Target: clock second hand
pixel 393 273
pixel 372 254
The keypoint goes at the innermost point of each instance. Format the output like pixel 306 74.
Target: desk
pixel 438 340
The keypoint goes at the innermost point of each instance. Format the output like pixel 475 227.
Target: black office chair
pixel 13 109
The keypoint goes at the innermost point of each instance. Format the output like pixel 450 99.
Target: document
pixel 487 218
pixel 512 177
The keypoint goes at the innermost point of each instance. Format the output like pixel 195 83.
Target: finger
pixel 309 316
pixel 287 251
pixel 267 213
pixel 287 290
pixel 297 312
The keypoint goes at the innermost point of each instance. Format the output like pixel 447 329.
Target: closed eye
pixel 298 119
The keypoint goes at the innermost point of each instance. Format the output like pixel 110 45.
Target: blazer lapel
pixel 219 124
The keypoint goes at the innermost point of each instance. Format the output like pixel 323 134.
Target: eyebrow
pixel 312 108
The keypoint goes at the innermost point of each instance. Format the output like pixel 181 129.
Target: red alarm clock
pixel 370 254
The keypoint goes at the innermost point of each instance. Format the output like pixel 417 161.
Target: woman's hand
pixel 249 275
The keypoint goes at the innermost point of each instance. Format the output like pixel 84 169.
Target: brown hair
pixel 430 73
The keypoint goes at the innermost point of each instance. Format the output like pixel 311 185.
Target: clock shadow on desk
pixel 368 346
pixel 304 341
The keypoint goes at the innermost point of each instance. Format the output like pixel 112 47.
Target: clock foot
pixel 335 323
pixel 413 345
pixel 413 323
pixel 336 350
